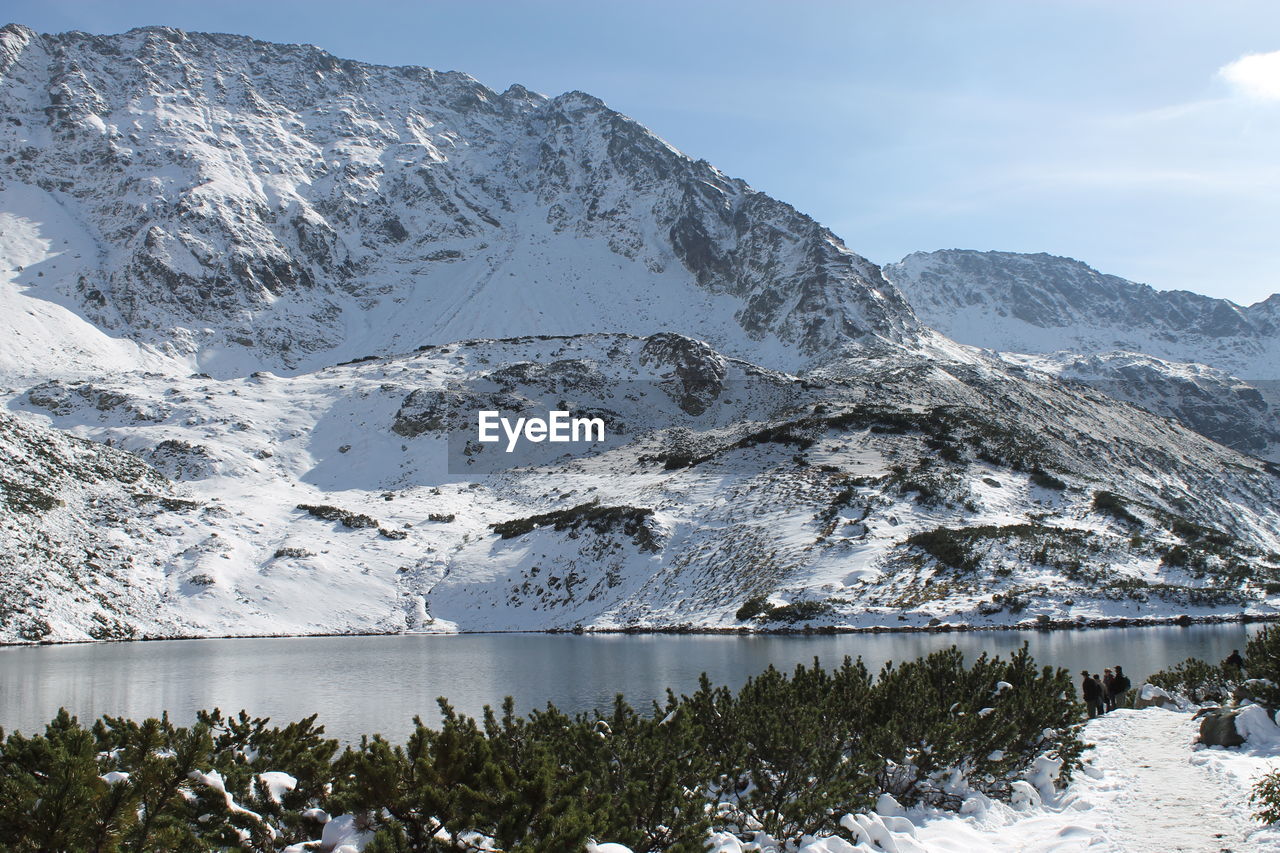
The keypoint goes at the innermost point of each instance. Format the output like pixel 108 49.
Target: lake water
pixel 363 685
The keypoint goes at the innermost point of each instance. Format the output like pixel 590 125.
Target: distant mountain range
pixel 1139 344
pixel 1042 303
pixel 251 293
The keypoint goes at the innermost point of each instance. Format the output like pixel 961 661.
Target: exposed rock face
pixel 246 203
pixel 697 368
pixel 1041 303
pixel 421 412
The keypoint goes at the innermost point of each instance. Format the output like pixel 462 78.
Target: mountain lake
pixel 365 684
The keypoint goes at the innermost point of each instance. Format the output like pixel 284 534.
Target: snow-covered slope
pixel 85 535
pixel 245 268
pixel 885 490
pixel 1041 303
pixel 1240 415
pixel 237 205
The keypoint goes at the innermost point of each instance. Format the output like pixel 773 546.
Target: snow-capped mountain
pixel 1041 303
pixel 252 297
pixel 237 205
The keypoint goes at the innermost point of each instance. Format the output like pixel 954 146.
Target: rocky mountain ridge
pixel 1041 303
pixel 1234 413
pixel 236 204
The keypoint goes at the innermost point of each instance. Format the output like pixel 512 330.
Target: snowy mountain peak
pixel 239 205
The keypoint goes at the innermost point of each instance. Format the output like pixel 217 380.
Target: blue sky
pixel 1141 137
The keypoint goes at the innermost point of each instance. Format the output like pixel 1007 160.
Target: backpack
pixel 1120 685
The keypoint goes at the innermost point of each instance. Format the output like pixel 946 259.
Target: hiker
pixel 1108 678
pixel 1092 690
pixel 1234 661
pixel 1119 686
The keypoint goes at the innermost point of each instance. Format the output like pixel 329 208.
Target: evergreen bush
pixel 786 754
pixel 1201 681
pixel 1262 661
pixel 753 607
pixel 1197 680
pixel 1115 506
pixel 1266 796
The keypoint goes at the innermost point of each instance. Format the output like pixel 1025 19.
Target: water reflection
pixel 365 684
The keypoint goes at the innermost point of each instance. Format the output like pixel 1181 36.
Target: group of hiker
pixel 1102 691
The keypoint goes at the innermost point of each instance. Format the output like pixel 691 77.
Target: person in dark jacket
pixel 1108 678
pixel 1234 661
pixel 1092 690
pixel 1119 686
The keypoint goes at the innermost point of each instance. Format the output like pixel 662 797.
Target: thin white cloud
pixel 1255 74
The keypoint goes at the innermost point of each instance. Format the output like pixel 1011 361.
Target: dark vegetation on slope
pixel 789 754
pixel 631 520
pixel 951 432
pixel 1109 503
pixel 955 547
pixel 760 609
pixel 29 500
pixel 353 520
pixel 356 521
pixel 1219 569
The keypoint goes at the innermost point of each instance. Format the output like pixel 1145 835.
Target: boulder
pixel 1150 696
pixel 1218 728
pixel 1256 725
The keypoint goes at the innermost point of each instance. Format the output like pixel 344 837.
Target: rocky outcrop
pixel 1218 727
pixel 697 371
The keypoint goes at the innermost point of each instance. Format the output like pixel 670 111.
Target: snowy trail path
pixel 1146 789
pixel 1152 795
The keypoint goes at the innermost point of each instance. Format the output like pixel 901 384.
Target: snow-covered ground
pixel 827 517
pixel 1148 787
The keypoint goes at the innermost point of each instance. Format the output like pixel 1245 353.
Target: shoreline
pixel 1077 624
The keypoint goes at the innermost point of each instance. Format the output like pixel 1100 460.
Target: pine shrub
pixel 1201 681
pixel 1109 503
pixel 1197 680
pixel 1262 661
pixel 787 754
pixel 753 607
pixel 1266 796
